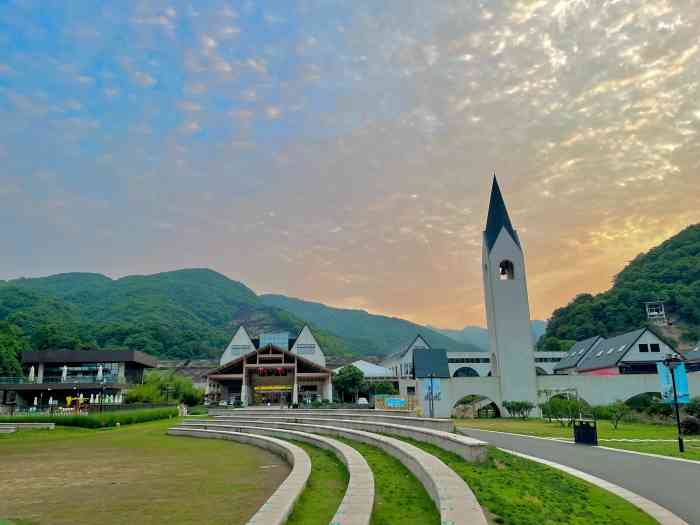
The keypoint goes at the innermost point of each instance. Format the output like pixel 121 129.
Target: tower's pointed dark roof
pixel 498 218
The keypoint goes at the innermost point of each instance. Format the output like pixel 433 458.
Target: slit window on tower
pixel 506 271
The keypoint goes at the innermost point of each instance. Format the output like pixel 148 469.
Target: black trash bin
pixel 585 432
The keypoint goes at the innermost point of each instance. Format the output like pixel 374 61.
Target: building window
pixel 506 271
pixel 655 347
pixel 644 348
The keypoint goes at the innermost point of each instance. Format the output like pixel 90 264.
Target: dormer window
pixel 506 271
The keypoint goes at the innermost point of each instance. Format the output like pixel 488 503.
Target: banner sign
pixel 681 380
pixel 395 402
pixel 432 389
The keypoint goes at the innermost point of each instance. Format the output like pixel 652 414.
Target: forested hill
pixel 670 273
pixel 375 334
pixel 181 314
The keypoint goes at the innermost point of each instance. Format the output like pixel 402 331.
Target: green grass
pixel 132 474
pixel 400 499
pixel 324 491
pixel 516 491
pixel 106 419
pixel 543 428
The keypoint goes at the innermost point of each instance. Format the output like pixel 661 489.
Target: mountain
pixel 181 314
pixel 669 273
pixel 479 337
pixel 367 333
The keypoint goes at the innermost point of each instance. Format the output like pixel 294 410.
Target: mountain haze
pixel 375 334
pixel 478 336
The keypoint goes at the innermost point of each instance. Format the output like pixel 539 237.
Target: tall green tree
pixel 349 381
pixel 12 343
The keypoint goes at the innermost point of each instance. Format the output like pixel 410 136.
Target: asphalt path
pixel 671 484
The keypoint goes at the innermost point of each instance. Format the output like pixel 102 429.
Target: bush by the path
pixel 106 419
pixel 690 425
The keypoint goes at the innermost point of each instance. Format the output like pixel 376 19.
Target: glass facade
pixel 81 373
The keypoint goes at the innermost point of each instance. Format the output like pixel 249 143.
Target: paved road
pixel 672 484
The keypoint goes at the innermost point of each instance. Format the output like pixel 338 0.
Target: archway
pixel 465 371
pixel 474 405
pixel 641 402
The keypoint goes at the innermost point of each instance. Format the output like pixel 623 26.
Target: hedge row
pixel 106 419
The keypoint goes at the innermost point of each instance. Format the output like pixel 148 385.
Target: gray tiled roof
pixel 433 361
pixel 609 352
pixel 577 353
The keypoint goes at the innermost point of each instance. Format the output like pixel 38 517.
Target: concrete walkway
pixel 671 484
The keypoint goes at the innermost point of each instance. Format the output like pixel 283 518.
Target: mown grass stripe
pixel 399 498
pixel 516 491
pixel 324 491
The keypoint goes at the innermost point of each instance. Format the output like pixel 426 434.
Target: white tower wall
pixel 511 342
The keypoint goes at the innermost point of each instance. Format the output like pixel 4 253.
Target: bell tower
pixel 511 342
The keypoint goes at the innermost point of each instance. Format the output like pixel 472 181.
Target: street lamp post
pixel 431 401
pixel 671 363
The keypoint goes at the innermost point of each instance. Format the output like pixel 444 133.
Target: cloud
pixel 143 79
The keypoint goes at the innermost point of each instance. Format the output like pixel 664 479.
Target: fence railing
pixel 16 380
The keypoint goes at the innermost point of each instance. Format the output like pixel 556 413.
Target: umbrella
pixel 92 399
pixel 31 374
pixel 99 373
pixel 64 374
pixel 36 401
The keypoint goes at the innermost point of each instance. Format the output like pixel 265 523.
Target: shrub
pixel 693 407
pixel 619 410
pixel 519 408
pixel 690 425
pixel 601 412
pixel 106 419
pixel 660 409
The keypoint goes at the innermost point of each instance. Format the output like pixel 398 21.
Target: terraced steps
pixel 277 508
pixel 356 506
pixel 470 449
pixel 455 502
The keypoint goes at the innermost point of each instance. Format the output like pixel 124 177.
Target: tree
pixel 382 388
pixel 159 387
pixel 12 343
pixel 349 380
pixel 618 411
pixel 519 408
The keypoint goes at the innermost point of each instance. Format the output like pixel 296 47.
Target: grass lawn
pixel 516 491
pixel 400 499
pixel 542 428
pixel 324 490
pixel 132 474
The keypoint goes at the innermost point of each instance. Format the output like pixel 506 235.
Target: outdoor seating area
pixel 451 495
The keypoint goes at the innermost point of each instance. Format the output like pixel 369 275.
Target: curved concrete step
pixel 259 410
pixel 454 500
pixel 446 425
pixel 356 506
pixel 469 449
pixel 277 508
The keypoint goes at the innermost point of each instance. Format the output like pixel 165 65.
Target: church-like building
pixel 271 369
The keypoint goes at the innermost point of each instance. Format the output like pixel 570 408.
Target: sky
pixel 342 151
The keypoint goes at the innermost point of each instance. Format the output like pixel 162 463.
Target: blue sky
pixel 341 151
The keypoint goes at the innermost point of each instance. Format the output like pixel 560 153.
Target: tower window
pixel 506 271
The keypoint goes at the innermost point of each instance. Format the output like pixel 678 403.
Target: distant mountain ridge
pixel 184 314
pixel 478 336
pixel 375 333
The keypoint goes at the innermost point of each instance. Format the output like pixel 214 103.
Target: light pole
pixel 671 362
pixel 431 402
